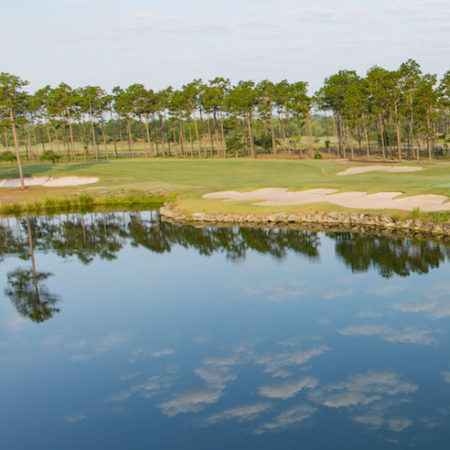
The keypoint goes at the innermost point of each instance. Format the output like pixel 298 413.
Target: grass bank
pixel 188 180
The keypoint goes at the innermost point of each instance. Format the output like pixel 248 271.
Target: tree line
pixel 396 114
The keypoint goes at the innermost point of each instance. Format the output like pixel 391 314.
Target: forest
pixel 389 114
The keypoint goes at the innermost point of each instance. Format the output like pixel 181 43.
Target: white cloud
pixel 350 292
pixel 408 335
pixel 75 418
pixel 288 389
pixel 174 25
pixel 415 307
pixel 51 342
pixel 163 352
pixel 147 389
pixel 377 416
pixel 216 371
pixel 215 376
pixel 399 424
pixel 287 419
pixel 277 364
pixel 388 290
pixel 446 376
pixel 273 291
pixel 112 342
pixel 242 413
pixel 189 402
pixel 362 389
pixel 423 11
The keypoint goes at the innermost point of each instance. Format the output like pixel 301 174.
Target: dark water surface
pixel 121 332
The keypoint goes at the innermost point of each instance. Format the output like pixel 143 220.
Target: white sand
pixel 359 200
pixel 364 169
pixel 48 181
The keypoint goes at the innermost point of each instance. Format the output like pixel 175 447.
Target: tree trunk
pixel 250 136
pixel 397 131
pixel 344 142
pixel 190 141
pixel 339 135
pixel 300 154
pixel 282 132
pixel 16 148
pixel 380 122
pixel 82 141
pixel 94 144
pixel 6 141
pixel 272 132
pixel 286 132
pixel 223 137
pixel 72 145
pixel 104 141
pixel 161 132
pixel 199 144
pixel 358 131
pixel 130 142
pixel 33 262
pixel 350 140
pixel 147 131
pixel 309 131
pixel 366 137
pixel 211 141
pixel 428 134
pixel 30 145
pixel 181 137
pixel 48 136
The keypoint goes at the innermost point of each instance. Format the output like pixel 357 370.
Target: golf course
pixel 188 182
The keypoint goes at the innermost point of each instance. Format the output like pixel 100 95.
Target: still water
pixel 118 331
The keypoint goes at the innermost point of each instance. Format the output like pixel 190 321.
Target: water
pixel 131 333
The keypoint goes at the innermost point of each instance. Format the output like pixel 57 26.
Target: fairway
pixel 189 180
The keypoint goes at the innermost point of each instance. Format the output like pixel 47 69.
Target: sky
pixel 171 42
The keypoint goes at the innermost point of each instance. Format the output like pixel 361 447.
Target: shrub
pixel 264 141
pixel 317 155
pixel 234 143
pixel 7 156
pixel 49 155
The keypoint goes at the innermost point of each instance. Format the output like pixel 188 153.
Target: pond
pixel 121 331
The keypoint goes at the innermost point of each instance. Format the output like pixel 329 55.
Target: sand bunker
pixel 358 200
pixel 364 169
pixel 48 181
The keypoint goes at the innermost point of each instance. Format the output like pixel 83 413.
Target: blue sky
pixel 161 43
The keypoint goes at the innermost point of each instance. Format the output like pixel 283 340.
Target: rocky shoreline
pixel 321 221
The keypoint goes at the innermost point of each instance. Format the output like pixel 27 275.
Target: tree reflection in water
pixel 96 235
pixel 25 289
pixel 389 255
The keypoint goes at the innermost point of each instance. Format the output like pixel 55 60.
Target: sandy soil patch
pixel 364 169
pixel 358 200
pixel 48 181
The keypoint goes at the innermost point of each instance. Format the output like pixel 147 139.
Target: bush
pixel 7 156
pixel 264 141
pixel 234 143
pixel 317 155
pixel 49 155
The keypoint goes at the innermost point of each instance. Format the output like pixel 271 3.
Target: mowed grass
pixel 190 179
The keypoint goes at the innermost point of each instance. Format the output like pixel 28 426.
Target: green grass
pixel 190 179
